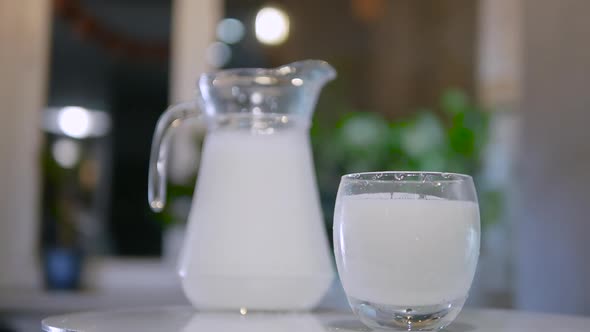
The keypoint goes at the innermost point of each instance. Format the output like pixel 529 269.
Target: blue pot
pixel 62 268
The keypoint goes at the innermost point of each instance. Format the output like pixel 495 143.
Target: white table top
pixel 185 319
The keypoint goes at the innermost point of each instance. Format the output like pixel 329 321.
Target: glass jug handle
pixel 171 119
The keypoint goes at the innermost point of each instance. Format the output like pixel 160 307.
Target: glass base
pixel 406 318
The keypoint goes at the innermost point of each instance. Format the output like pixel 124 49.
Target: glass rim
pixel 392 176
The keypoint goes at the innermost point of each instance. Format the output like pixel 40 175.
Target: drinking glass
pixel 406 246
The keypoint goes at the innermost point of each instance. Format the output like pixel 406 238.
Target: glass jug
pixel 255 236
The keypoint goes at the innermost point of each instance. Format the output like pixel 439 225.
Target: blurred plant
pixel 450 139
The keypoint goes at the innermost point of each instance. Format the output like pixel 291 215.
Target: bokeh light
pixel 65 152
pixel 271 26
pixel 218 54
pixel 74 121
pixel 230 30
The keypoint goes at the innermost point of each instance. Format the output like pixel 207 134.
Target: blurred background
pixel 493 88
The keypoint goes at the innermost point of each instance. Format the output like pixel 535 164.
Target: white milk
pixel 256 236
pixel 406 252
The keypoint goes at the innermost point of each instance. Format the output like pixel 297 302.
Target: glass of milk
pixel 406 246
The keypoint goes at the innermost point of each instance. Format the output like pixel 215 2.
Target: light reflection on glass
pixel 297 81
pixel 256 98
pixel 264 80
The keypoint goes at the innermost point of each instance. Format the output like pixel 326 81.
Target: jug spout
pixel 314 73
